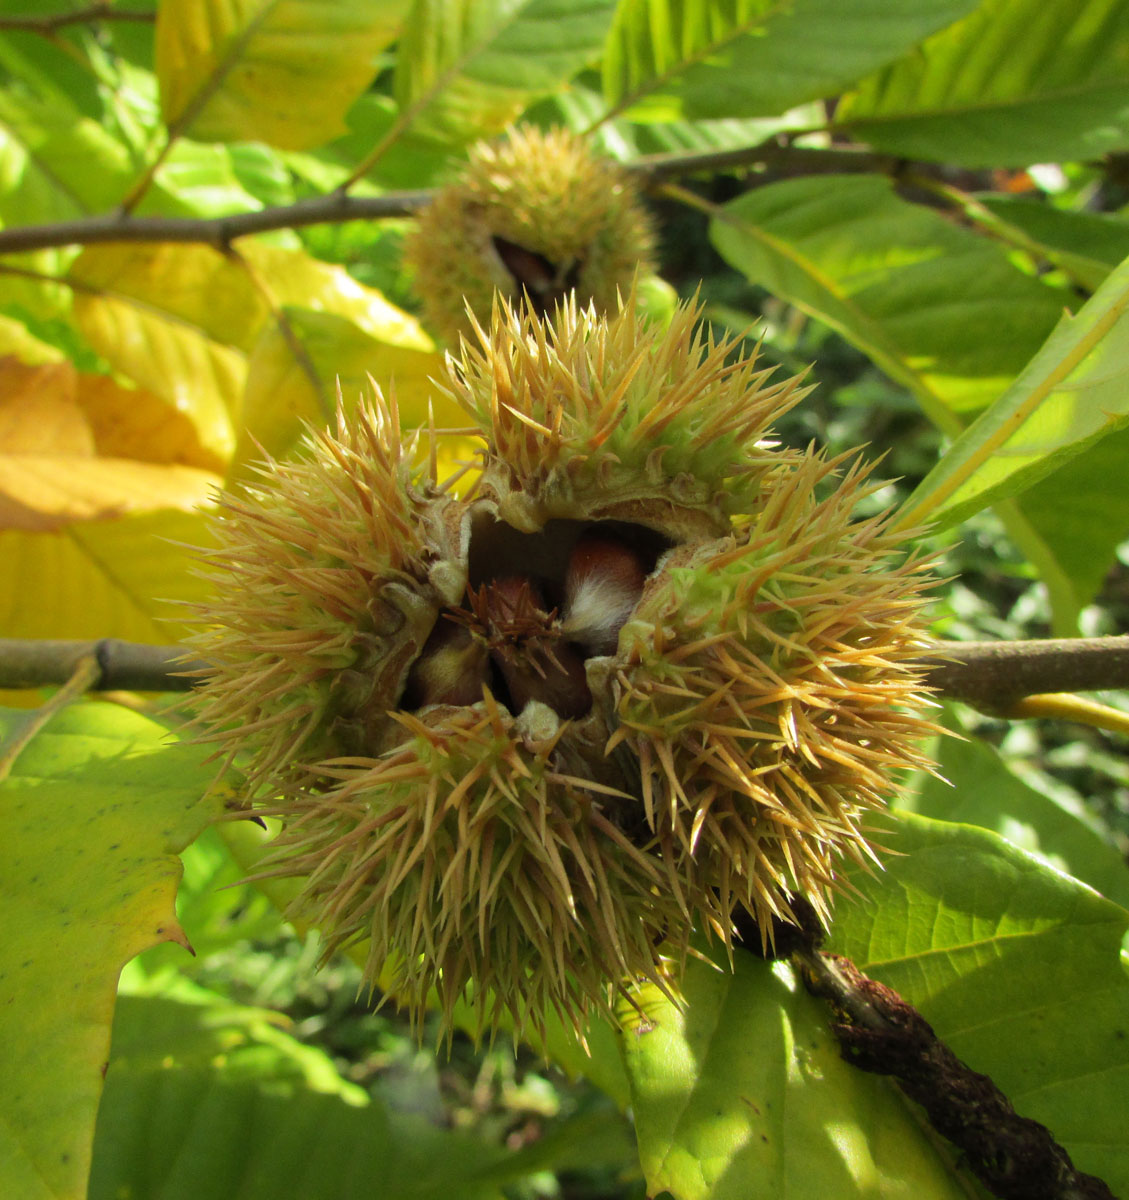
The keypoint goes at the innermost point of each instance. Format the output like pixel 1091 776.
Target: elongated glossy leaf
pixel 466 68
pixel 742 1095
pixel 978 787
pixel 939 309
pixel 1070 395
pixel 278 71
pixel 91 818
pixel 1017 82
pixel 1016 966
pixel 754 58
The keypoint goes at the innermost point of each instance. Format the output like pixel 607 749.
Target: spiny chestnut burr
pixel 648 675
pixel 534 217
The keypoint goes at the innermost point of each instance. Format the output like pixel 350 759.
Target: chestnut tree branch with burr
pixel 604 532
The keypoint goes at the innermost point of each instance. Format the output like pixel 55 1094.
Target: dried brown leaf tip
pixel 538 214
pixel 650 673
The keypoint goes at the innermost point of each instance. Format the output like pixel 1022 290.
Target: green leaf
pixel 207 1098
pixel 1080 521
pixel 466 68
pixel 1017 82
pixel 1069 396
pixel 278 71
pixel 742 1095
pixel 1016 966
pixel 1086 245
pixel 754 58
pixel 926 300
pixel 978 787
pixel 91 818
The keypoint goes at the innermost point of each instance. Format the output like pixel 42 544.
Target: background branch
pixel 776 154
pixel 48 24
pixel 991 676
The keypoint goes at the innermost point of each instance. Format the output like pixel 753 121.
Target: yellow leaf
pixel 39 413
pixel 172 319
pixel 83 535
pixel 279 71
pixel 284 391
pixel 55 409
pixel 125 578
pixel 17 339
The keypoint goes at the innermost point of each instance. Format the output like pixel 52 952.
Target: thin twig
pixel 218 232
pixel 49 25
pixel 992 676
pixel 124 666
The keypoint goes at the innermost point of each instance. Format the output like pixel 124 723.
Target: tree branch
pixel 991 676
pixel 48 25
pixel 124 666
pixel 218 232
pixel 1015 1157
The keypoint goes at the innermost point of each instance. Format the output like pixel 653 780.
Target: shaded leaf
pixel 1087 245
pixel 279 71
pixel 753 58
pixel 742 1095
pixel 1069 396
pixel 92 815
pixel 211 1098
pixel 1016 966
pixel 466 68
pixel 1017 82
pixel 941 310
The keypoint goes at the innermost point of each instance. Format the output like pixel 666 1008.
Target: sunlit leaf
pixel 1071 394
pixel 742 1095
pixel 752 58
pixel 278 71
pixel 978 787
pixel 1017 82
pixel 176 320
pixel 1017 967
pixel 286 391
pixel 91 818
pixel 466 68
pixel 121 577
